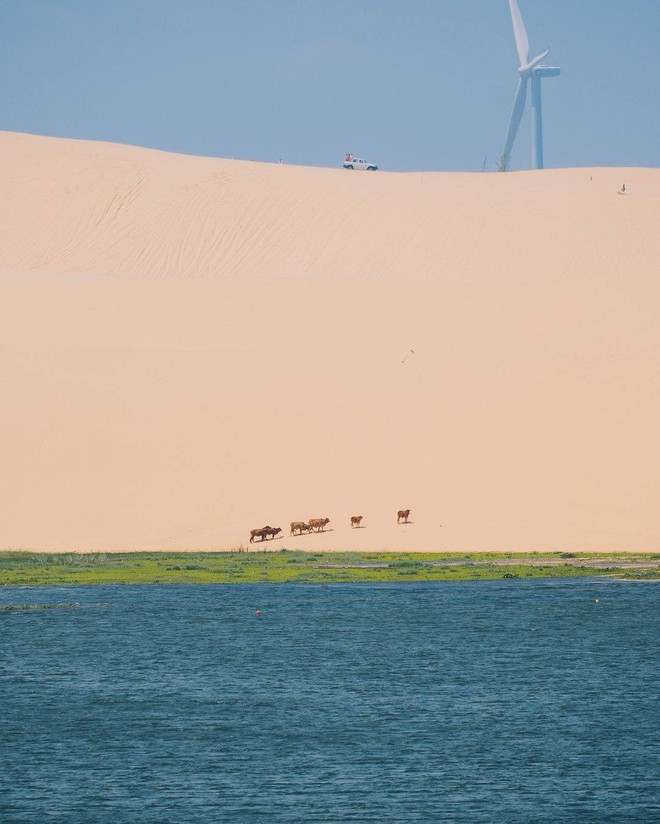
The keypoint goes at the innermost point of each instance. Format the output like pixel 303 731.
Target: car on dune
pixel 352 162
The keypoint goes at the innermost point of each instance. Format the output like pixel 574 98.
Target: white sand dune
pixel 193 347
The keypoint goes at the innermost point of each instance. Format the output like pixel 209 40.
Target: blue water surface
pixel 496 701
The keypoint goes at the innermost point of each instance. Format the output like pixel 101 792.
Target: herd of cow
pixel 315 525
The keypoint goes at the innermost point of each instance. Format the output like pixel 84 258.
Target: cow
pixel 259 533
pixel 356 520
pixel 273 531
pixel 318 524
pixel 402 513
pixel 299 526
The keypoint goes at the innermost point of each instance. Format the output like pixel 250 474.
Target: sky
pixel 413 85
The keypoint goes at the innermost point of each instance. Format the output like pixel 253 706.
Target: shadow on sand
pixel 304 534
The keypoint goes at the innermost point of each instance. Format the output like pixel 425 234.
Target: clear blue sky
pixel 412 84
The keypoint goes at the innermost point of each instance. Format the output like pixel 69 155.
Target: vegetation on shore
pixel 287 566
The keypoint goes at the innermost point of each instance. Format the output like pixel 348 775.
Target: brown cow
pixel 259 533
pixel 402 513
pixel 318 524
pixel 299 526
pixel 273 532
pixel 356 520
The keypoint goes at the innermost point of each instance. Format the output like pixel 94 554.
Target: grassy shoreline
pixel 289 566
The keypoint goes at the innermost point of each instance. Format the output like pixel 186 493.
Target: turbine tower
pixel 528 68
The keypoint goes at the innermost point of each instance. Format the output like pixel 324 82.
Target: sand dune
pixel 193 347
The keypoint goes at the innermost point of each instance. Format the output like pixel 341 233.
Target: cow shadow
pixel 307 534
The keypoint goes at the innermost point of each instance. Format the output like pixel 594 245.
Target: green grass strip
pixel 288 566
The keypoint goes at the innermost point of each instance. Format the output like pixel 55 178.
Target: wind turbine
pixel 528 68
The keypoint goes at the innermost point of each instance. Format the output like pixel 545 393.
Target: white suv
pixel 352 162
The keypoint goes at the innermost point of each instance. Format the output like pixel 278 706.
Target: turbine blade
pixel 516 115
pixel 540 57
pixel 536 60
pixel 522 43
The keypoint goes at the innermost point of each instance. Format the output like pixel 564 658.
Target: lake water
pixel 498 701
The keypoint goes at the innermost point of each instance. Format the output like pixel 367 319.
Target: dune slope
pixel 193 347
